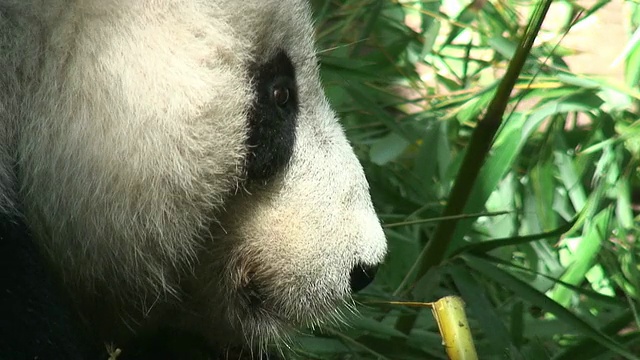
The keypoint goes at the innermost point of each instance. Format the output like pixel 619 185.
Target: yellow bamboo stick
pixel 453 325
pixel 454 328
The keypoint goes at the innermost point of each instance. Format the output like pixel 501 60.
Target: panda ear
pixel 272 117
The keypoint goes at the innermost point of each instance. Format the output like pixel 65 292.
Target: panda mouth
pixel 253 294
pixel 261 300
pixel 267 310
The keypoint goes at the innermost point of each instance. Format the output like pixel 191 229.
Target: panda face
pixel 187 154
pixel 303 234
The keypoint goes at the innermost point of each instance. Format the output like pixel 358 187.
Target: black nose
pixel 361 276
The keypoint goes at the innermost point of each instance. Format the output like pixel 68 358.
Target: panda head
pixel 302 234
pixel 188 149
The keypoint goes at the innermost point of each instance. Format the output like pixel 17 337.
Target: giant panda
pixel 173 167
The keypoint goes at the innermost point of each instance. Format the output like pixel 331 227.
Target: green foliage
pixel 545 251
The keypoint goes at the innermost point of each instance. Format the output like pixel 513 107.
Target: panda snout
pixel 362 275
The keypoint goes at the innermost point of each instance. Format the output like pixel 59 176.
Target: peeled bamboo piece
pixel 454 328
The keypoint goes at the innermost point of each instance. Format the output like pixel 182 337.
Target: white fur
pixel 127 119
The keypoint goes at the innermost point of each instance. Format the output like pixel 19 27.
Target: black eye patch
pixel 272 117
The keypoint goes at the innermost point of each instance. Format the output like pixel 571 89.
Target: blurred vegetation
pixel 545 251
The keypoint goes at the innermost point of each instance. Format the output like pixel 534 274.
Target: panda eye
pixel 280 95
pixel 272 117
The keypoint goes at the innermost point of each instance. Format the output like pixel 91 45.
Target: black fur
pixel 36 320
pixel 272 118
